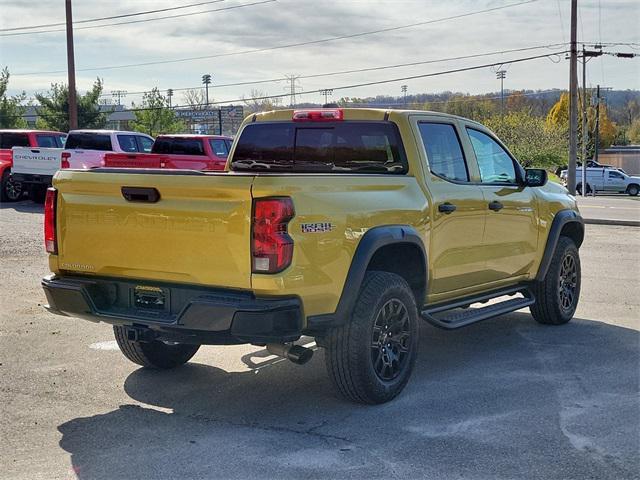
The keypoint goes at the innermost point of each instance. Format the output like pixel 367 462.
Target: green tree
pixel 11 108
pixel 53 113
pixel 155 117
pixel 633 134
pixel 533 142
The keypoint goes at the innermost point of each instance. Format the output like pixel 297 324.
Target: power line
pixel 144 20
pixel 113 17
pixel 371 69
pixel 290 45
pixel 366 84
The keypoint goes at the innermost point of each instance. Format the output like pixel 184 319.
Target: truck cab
pixel 87 148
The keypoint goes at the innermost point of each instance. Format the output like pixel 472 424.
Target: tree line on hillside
pixel 534 125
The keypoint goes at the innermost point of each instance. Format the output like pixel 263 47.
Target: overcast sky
pixel 282 22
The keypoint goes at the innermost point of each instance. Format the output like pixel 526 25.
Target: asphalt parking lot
pixel 506 398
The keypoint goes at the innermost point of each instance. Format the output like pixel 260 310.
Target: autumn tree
pixel 154 116
pixel 53 112
pixel 633 133
pixel 11 108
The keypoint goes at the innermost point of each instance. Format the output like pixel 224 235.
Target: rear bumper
pixel 191 314
pixel 32 178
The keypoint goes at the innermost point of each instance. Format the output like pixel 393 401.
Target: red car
pixel 190 152
pixel 10 190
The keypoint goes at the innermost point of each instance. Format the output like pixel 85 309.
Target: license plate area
pixel 150 299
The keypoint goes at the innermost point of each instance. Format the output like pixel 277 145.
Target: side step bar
pixel 457 319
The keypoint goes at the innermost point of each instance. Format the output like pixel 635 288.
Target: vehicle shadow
pixel 506 398
pixel 25 206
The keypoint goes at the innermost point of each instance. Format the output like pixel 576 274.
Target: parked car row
pixel 30 158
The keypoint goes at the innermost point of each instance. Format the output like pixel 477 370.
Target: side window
pixel 127 143
pixel 219 147
pixel 615 175
pixel 444 152
pixel 494 162
pixel 144 144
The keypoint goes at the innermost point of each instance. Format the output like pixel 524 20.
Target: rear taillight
pixel 64 163
pixel 322 115
pixel 271 245
pixel 50 240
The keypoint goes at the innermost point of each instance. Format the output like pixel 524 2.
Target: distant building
pixel 117 117
pixel 626 157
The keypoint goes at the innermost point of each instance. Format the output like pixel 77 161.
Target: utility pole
pixel 118 95
pixel 169 95
pixel 293 87
pixel 403 88
pixel 71 69
pixel 596 138
pixel 326 92
pixel 585 136
pixel 573 101
pixel 501 75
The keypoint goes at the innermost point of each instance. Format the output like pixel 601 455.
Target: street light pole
pixel 206 80
pixel 404 93
pixel 71 69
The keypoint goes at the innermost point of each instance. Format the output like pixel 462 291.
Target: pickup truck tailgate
pixel 198 232
pixel 36 160
pixel 135 160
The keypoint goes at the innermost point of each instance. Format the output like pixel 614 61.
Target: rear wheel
pixel 370 358
pixel 154 354
pixel 579 189
pixel 557 295
pixel 633 190
pixel 10 190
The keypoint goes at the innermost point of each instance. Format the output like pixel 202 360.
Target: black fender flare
pixel 562 218
pixel 374 239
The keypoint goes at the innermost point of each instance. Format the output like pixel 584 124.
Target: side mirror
pixel 535 177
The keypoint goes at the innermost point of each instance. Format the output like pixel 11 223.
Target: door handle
pixel 446 208
pixel 140 194
pixel 496 206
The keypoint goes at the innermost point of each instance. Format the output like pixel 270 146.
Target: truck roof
pixel 29 130
pixel 192 135
pixel 107 132
pixel 354 114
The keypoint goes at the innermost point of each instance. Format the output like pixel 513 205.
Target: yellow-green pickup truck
pixel 346 225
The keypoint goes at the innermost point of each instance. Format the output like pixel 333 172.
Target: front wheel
pixel 633 190
pixel 370 358
pixel 154 354
pixel 10 190
pixel 557 295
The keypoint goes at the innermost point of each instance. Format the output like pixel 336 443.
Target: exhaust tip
pixel 299 354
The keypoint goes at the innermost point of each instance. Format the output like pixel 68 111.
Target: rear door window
pixel 444 152
pixel 10 140
pixel 89 141
pixel 346 147
pixel 178 146
pixel 219 147
pixel 128 143
pixel 50 141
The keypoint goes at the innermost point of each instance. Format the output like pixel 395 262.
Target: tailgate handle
pixel 141 194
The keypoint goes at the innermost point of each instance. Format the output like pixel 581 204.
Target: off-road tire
pixel 155 354
pixel 549 308
pixel 350 355
pixel 633 190
pixel 7 193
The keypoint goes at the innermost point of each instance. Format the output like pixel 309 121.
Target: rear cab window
pixel 323 147
pixel 89 141
pixel 178 146
pixel 49 140
pixel 128 143
pixel 10 140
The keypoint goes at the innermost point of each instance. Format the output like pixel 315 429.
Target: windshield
pixel 343 147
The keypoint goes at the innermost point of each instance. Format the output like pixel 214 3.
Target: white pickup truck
pixel 606 179
pixel 34 167
pixel 86 148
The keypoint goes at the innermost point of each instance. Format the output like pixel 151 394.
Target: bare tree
pixel 256 102
pixel 195 99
